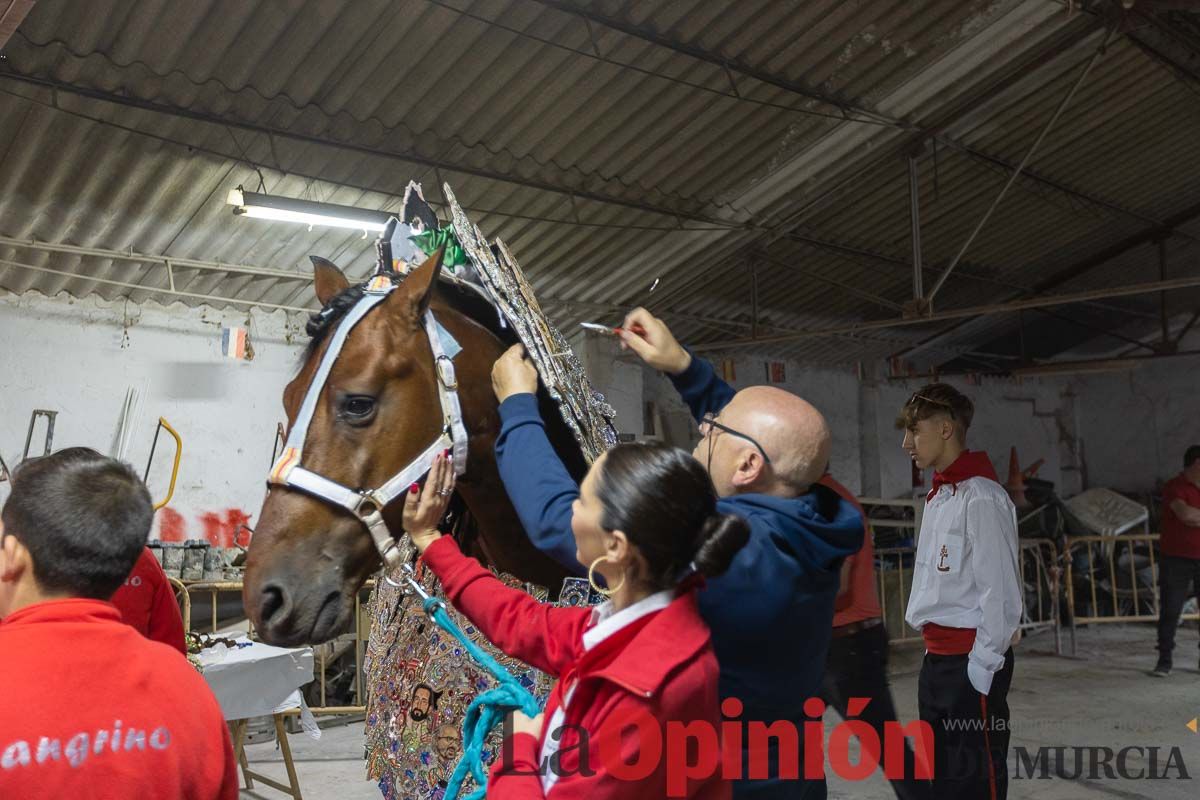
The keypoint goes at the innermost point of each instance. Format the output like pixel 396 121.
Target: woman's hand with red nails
pixel 424 508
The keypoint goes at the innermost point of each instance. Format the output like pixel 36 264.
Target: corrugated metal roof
pixel 604 157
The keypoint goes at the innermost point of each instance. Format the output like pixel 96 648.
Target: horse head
pixel 378 410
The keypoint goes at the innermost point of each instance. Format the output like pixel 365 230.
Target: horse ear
pixel 328 280
pixel 422 281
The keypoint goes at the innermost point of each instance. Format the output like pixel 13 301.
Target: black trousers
pixel 857 667
pixel 1178 579
pixel 970 730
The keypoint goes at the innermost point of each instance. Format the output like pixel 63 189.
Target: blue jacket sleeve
pixel 538 484
pixel 701 389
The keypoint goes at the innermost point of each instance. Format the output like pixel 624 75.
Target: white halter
pixel 368 504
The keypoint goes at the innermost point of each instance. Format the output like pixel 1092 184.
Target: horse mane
pixel 320 323
pixel 475 307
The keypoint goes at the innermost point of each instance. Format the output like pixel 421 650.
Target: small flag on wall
pixel 235 343
pixel 728 370
pixel 775 371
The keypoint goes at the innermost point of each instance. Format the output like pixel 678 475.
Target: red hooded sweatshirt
pixel 656 669
pixel 92 709
pixel 147 602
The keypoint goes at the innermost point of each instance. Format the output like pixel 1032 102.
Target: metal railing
pixel 1041 590
pixel 1113 579
pixel 1045 611
pixel 893 575
pixel 918 510
pixel 893 564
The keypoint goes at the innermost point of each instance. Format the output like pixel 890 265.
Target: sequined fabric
pixel 584 409
pixel 419 680
pixel 413 666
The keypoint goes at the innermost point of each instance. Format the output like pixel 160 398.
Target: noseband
pixel 368 504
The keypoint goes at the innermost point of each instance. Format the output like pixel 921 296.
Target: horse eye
pixel 358 406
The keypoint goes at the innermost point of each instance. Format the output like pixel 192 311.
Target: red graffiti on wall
pixel 171 525
pixel 221 530
pixel 225 529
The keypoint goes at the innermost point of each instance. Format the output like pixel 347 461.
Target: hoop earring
pixel 597 587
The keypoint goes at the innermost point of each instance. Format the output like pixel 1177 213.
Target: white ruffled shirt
pixel 967 573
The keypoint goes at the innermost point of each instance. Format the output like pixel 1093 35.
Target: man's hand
pixel 1187 515
pixel 656 345
pixel 513 374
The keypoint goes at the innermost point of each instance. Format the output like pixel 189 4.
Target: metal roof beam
pixel 12 16
pixel 407 157
pixel 853 290
pixel 1066 100
pixel 1047 368
pixel 170 263
pixel 1035 177
pixel 124 100
pixel 728 63
pixel 1080 268
pixel 782 82
pixel 1096 329
pixel 914 143
pixel 967 313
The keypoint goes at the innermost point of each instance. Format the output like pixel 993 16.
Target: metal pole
pixel 1021 333
pixel 1162 296
pixel 846 287
pixel 941 281
pixel 753 300
pixel 914 213
pixel 965 313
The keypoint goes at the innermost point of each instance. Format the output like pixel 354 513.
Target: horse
pixel 377 411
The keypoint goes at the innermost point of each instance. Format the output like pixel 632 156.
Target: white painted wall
pixel 834 392
pixel 1008 413
pixel 1139 423
pixel 78 357
pixel 866 446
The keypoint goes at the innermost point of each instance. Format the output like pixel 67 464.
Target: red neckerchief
pixel 969 464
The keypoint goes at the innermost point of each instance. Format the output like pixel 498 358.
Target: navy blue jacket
pixel 771 614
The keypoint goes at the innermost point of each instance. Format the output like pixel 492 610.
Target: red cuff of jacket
pixel 518 755
pixel 452 568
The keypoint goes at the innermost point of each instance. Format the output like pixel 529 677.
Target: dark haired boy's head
pixel 935 420
pixel 74 524
pixel 1191 460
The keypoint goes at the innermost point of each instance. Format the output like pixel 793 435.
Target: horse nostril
pixel 274 600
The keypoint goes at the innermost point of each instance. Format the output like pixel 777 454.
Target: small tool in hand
pixel 610 331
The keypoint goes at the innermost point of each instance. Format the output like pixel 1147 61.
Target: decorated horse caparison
pixel 397 369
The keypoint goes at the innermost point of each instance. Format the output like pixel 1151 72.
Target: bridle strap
pixel 368 505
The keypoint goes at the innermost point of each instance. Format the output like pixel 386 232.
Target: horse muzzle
pixel 288 611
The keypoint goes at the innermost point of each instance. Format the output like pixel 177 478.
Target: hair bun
pixel 721 538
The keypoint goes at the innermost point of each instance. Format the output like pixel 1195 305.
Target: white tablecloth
pixel 259 680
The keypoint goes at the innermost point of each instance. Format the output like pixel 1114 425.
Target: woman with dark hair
pixel 646 521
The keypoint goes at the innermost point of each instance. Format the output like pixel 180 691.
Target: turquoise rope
pixel 485 712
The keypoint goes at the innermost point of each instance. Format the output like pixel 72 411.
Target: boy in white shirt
pixel 966 597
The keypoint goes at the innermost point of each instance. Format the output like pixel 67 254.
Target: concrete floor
pixel 1103 697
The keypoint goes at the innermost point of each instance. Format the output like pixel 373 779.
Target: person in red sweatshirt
pixel 92 708
pixel 856 667
pixel 966 597
pixel 1180 548
pixel 646 521
pixel 147 602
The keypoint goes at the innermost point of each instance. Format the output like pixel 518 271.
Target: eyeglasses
pixel 918 396
pixel 709 421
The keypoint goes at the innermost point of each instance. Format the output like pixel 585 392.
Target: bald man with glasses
pixel 771 614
